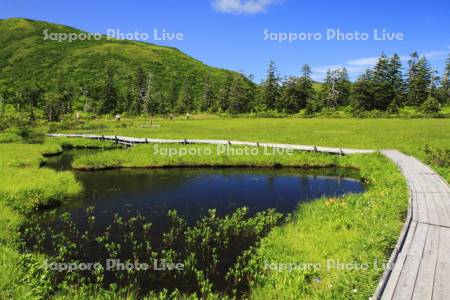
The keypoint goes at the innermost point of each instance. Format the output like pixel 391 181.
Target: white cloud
pixel 317 77
pixel 351 69
pixel 357 66
pixel 435 54
pixel 242 6
pixel 369 61
pixel 324 69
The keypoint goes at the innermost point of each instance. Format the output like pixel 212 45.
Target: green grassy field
pixel 356 229
pixel 407 135
pixel 359 230
pixel 164 155
pixel 24 186
pixel 402 134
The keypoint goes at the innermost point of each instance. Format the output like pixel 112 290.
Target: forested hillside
pixel 102 76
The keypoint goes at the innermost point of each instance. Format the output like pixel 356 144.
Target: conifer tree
pixel 208 95
pixel 363 93
pixel 186 98
pixel 290 95
pixel 140 90
pixel 173 95
pixel 271 87
pixel 444 91
pixel 419 80
pixel 306 87
pixel 343 86
pixel 149 105
pixel 109 93
pixel 396 83
pixel 224 95
pixel 238 97
pixel 387 82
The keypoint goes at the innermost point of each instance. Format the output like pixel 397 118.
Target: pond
pixel 192 191
pixel 117 205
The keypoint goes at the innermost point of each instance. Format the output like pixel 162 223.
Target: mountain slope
pixel 26 57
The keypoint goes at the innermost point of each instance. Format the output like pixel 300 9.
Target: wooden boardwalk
pixel 420 261
pixel 129 141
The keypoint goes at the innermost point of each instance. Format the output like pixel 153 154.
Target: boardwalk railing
pixel 419 266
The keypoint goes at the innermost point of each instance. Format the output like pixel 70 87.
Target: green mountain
pixel 80 66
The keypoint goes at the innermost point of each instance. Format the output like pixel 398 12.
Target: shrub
pixel 9 138
pixel 437 156
pixel 431 105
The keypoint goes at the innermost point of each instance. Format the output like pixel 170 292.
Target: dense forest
pixel 51 79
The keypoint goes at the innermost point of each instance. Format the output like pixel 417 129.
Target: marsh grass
pixel 25 186
pixel 81 143
pixel 356 229
pixel 9 138
pixel 177 155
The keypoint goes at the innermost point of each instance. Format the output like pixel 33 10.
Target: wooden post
pixel 146 141
pixel 315 149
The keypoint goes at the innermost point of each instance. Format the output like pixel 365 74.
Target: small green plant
pixel 431 105
pixel 437 156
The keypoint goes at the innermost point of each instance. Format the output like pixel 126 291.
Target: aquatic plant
pixel 200 259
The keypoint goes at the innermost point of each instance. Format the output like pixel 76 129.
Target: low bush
pixel 9 138
pixel 437 156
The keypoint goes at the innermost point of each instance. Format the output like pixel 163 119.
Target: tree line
pixel 386 87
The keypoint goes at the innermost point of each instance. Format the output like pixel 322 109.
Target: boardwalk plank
pixel 442 277
pixel 431 249
pixel 441 289
pixel 422 207
pixel 433 213
pixel 407 279
pixel 418 243
pixel 393 278
pixel 423 289
pixel 442 210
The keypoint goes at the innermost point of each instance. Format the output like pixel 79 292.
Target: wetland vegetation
pixel 231 249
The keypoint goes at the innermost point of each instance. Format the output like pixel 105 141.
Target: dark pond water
pixel 93 230
pixel 192 191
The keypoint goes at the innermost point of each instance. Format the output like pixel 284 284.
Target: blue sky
pixel 230 33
